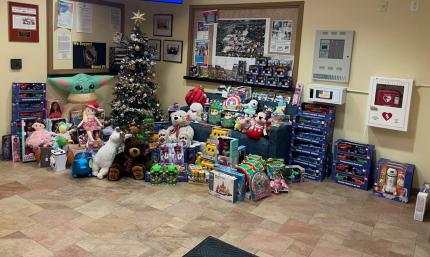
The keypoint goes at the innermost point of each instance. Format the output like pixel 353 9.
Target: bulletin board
pixel 82 48
pixel 284 12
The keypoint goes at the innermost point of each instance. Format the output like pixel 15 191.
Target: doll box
pixel 7 147
pixel 223 186
pixel 45 155
pixel 393 180
pixel 227 151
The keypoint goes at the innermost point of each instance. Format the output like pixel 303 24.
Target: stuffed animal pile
pixel 180 128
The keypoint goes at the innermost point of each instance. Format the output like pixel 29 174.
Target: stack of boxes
pixel 311 140
pixel 28 104
pixel 352 164
pixel 269 73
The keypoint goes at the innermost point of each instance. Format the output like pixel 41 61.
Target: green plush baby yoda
pixel 81 89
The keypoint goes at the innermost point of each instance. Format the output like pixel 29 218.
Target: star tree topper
pixel 138 17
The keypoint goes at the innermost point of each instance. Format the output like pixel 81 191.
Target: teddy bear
pixel 180 125
pixel 105 156
pixel 250 109
pixel 242 124
pixel 162 136
pixel 258 126
pixel 132 162
pixel 195 112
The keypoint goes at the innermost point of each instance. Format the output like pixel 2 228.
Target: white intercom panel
pixel 326 94
pixel 332 55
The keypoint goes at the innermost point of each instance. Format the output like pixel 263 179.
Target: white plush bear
pixel 107 153
pixel 162 136
pixel 196 111
pixel 180 125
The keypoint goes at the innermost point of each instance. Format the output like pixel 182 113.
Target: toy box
pixel 54 109
pixel 6 147
pixel 275 166
pixel 244 93
pixel 227 151
pixel 16 149
pixel 219 132
pixel 172 153
pixel 45 157
pixel 58 159
pixel 197 175
pixel 27 154
pixel 240 179
pixel 421 205
pixel 75 117
pixel 294 173
pixel 393 180
pixel 52 124
pixel 223 186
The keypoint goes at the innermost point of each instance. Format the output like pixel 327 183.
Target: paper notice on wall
pixel 64 48
pixel 84 17
pixel 24 22
pixel 202 30
pixel 65 14
pixel 115 19
pixel 280 41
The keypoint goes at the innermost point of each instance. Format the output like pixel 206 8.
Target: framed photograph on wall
pixel 163 25
pixel 172 51
pixel 155 45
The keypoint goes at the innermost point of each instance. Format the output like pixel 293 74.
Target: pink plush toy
pixel 258 126
pixel 40 136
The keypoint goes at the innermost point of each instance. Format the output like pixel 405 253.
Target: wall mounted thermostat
pixel 389 103
pixel 332 55
pixel 326 94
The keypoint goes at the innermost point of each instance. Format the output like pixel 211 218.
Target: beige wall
pixel 393 43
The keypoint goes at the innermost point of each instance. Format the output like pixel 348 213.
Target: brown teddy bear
pixel 132 162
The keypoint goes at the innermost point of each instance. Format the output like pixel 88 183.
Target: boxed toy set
pixel 393 180
pixel 223 186
pixel 421 206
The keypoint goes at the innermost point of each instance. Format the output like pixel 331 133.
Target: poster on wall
pixel 64 48
pixel 280 40
pixel 239 39
pixel 65 14
pixel 23 22
pixel 202 30
pixel 201 52
pixel 89 55
pixel 84 17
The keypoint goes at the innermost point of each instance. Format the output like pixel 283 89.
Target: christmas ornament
pixel 138 17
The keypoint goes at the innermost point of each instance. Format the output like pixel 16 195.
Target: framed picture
pixel 172 51
pixel 163 25
pixel 23 22
pixel 155 45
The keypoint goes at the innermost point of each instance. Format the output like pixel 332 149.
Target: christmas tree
pixel 135 92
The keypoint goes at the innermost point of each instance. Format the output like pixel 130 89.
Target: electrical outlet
pixel 383 6
pixel 414 5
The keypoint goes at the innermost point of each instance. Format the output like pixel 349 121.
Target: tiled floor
pixel 47 214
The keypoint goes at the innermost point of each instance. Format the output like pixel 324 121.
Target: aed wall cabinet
pixel 389 103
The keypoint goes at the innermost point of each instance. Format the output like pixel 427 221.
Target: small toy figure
pixel 228 121
pixel 89 121
pixel 214 116
pixel 196 112
pixel 106 154
pixel 156 174
pixel 162 136
pixel 40 136
pixel 171 174
pixel 184 140
pixel 251 108
pixel 391 181
pixel 258 127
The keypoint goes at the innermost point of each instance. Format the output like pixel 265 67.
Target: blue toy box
pixel 393 180
pixel 240 178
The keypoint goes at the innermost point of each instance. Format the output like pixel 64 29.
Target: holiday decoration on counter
pixel 132 162
pixel 89 121
pixel 81 89
pixel 135 91
pixel 106 154
pixel 180 126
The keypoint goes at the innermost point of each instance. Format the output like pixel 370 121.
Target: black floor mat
pixel 212 247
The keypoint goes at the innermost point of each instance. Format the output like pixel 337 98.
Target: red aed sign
pixel 23 22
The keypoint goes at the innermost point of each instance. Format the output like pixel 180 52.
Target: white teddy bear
pixel 180 126
pixel 196 111
pixel 106 154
